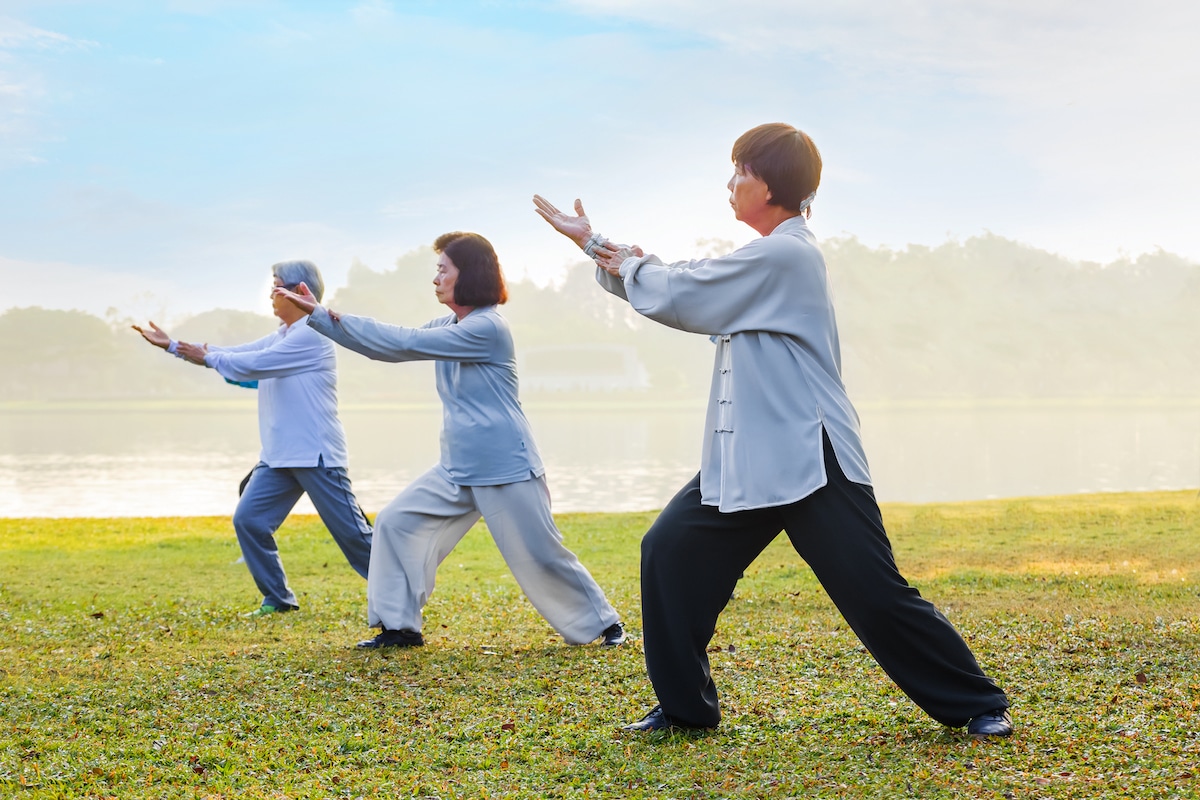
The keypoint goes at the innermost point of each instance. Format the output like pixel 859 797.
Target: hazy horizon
pixel 987 318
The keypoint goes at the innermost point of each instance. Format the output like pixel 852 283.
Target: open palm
pixel 575 227
pixel 155 335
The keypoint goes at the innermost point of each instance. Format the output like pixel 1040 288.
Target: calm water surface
pixel 146 463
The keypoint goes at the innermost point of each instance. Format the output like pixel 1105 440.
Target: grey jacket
pixel 776 380
pixel 486 439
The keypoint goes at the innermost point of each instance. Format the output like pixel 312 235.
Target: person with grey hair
pixel 303 444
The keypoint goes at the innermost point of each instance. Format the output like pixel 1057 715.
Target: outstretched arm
pixel 471 339
pixel 156 336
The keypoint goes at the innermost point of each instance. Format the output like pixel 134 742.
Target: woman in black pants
pixel 782 452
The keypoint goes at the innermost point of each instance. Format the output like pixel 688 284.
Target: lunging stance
pixel 303 444
pixel 781 452
pixel 489 464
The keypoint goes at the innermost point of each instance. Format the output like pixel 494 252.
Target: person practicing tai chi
pixel 303 444
pixel 781 451
pixel 489 465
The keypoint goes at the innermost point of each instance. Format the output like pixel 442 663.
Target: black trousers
pixel 693 555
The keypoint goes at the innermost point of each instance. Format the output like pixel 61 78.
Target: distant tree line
pixel 985 318
pixel 993 318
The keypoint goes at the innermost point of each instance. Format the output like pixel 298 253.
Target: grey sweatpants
pixel 417 530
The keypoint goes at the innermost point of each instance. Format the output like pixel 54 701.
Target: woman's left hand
pixel 194 353
pixel 611 256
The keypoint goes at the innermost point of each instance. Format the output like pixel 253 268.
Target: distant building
pixel 582 368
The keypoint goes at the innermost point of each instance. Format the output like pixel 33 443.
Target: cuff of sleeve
pixel 173 348
pixel 593 243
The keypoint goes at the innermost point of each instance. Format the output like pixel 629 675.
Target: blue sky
pixel 156 158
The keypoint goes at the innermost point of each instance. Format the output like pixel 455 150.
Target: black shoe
pixel 996 722
pixel 613 635
pixel 388 638
pixel 657 720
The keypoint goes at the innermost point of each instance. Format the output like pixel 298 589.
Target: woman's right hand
pixel 577 228
pixel 302 298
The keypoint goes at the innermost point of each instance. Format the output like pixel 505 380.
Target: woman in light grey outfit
pixel 489 466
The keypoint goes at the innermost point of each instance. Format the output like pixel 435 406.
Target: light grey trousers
pixel 417 530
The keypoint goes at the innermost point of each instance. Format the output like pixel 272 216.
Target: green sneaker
pixel 265 610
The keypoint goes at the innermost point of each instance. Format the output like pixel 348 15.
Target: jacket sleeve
pixel 257 344
pixel 470 340
pixel 611 283
pixel 288 355
pixel 757 287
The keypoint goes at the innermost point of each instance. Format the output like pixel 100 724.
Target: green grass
pixel 127 671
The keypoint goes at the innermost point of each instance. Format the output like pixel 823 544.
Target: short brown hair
pixel 480 280
pixel 783 158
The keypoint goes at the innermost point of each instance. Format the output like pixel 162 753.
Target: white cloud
pixel 1028 52
pixel 984 37
pixel 1096 99
pixel 15 34
pixel 22 89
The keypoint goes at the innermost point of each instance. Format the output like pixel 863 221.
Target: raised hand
pixel 155 336
pixel 302 297
pixel 577 228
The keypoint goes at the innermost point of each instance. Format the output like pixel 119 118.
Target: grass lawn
pixel 127 671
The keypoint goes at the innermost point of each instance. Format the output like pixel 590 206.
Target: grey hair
pixel 292 273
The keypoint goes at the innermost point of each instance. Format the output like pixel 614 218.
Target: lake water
pixel 159 463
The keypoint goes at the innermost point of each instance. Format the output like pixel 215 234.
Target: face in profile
pixel 281 307
pixel 748 194
pixel 444 280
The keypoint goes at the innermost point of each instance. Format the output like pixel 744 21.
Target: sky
pixel 157 157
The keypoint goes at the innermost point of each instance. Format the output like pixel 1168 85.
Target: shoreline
pixel 602 403
pixel 1116 495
